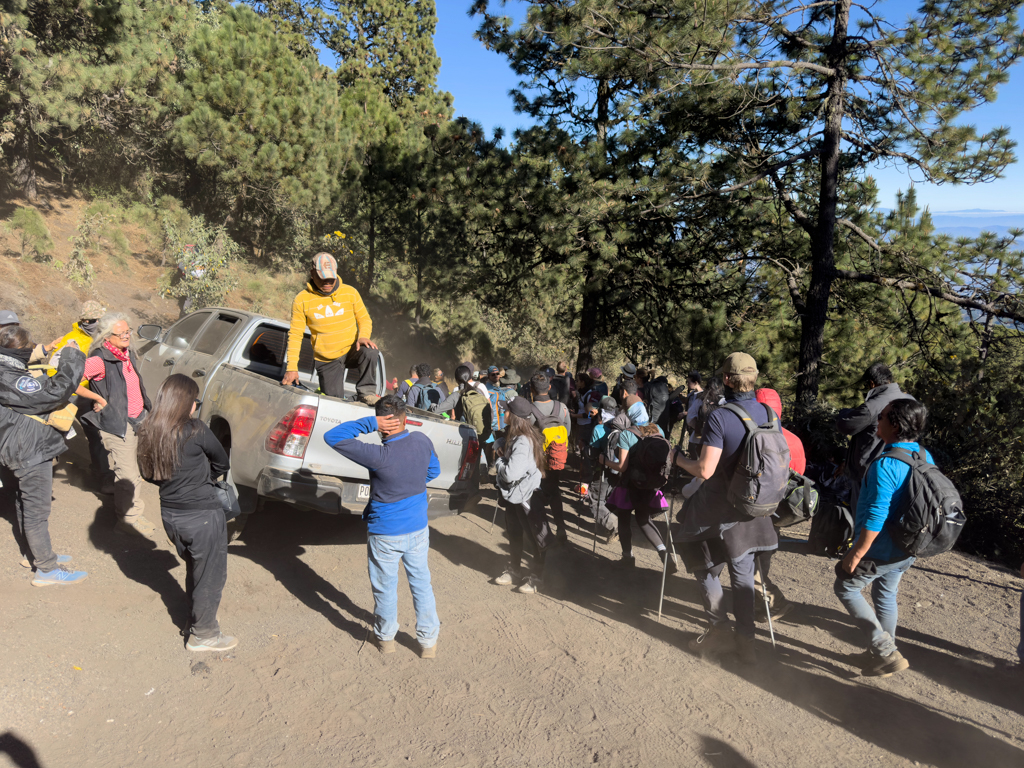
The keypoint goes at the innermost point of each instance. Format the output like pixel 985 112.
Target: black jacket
pixel 657 399
pixel 25 442
pixel 861 424
pixel 202 459
pixel 113 419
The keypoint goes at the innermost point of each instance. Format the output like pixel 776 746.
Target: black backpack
pixel 800 504
pixel 931 515
pixel 650 460
pixel 423 398
pixel 831 530
pixel 759 482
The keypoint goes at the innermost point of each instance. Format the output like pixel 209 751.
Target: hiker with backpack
pixel 604 441
pixel 876 558
pixel 468 404
pixel 521 467
pixel 423 393
pixel 860 424
pixel 776 600
pixel 700 408
pixel 642 460
pixel 744 462
pixel 554 421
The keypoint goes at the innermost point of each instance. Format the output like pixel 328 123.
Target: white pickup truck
pixel 274 434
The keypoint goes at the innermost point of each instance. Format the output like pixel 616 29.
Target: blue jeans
pixel 384 553
pixel 878 624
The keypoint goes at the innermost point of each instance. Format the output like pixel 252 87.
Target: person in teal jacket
pixel 875 559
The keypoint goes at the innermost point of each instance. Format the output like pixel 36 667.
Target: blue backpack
pixel 497 396
pixel 423 396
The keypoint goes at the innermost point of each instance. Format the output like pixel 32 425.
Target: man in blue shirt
pixel 875 558
pixel 396 517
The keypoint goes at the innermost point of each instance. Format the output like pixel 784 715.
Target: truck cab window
pixel 182 332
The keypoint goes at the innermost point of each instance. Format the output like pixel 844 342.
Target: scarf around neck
pixel 120 354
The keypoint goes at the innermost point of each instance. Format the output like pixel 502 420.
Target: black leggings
pixel 528 520
pixel 201 538
pixel 642 508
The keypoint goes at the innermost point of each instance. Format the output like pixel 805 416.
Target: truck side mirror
pixel 150 332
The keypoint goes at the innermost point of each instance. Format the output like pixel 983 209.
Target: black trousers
pixel 331 373
pixel 201 538
pixel 550 485
pixel 31 490
pixel 528 519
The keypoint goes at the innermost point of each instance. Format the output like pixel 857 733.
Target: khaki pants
pixel 128 502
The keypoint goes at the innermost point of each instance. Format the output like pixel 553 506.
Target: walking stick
pixel 670 553
pixel 767 607
pixel 494 516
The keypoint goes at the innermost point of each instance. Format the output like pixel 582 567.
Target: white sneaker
pixel 531 586
pixel 508 577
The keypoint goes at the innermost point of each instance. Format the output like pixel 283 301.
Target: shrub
pixel 201 253
pixel 35 237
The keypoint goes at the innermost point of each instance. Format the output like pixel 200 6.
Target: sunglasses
pixel 199 404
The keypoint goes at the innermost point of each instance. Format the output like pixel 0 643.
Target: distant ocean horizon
pixel 971 222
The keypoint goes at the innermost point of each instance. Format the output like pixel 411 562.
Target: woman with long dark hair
pixel 521 465
pixel 700 410
pixel 181 455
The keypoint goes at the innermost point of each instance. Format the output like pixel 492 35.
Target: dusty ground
pixel 96 674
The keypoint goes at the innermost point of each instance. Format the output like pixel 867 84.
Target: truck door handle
pixel 198 372
pixel 169 361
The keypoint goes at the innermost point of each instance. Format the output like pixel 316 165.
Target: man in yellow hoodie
pixel 340 327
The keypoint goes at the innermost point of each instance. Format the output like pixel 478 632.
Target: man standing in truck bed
pixel 340 327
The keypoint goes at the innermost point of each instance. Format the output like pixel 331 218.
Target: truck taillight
pixel 290 436
pixel 470 459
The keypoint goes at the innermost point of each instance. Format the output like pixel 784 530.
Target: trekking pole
pixel 767 607
pixel 494 516
pixel 670 553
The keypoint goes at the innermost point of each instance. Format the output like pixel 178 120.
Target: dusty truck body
pixel 274 434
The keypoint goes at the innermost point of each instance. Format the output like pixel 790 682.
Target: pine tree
pixel 806 98
pixel 262 126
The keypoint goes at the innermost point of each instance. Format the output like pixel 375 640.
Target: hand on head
pixel 389 424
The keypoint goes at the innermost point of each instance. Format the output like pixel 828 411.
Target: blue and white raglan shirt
pixel 400 469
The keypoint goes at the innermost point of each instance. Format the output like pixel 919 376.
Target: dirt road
pixel 96 675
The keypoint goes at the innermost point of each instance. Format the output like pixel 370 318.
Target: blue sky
pixel 480 81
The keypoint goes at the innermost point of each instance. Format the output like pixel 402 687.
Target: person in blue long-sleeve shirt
pixel 875 558
pixel 396 516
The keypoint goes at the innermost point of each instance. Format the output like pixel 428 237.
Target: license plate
pixel 364 492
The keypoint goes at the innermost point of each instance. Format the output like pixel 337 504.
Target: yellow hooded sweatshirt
pixel 335 322
pixel 75 334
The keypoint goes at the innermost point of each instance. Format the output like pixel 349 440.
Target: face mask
pixel 89 328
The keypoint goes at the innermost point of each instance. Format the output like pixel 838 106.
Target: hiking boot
pixel 745 649
pixel 562 535
pixel 385 646
pixel 611 537
pixel 508 577
pixel 531 586
pixel 885 666
pixel 779 609
pixel 59 575
pixel 61 559
pixel 860 660
pixel 368 399
pixel 716 639
pixel 673 561
pixel 627 561
pixel 429 653
pixel 219 642
pixel 140 526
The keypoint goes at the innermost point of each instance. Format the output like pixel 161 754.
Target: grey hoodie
pixel 518 476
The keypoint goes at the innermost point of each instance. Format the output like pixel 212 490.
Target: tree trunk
pixel 25 167
pixel 588 326
pixel 371 258
pixel 823 257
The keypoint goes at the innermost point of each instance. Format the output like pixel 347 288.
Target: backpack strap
pixel 747 420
